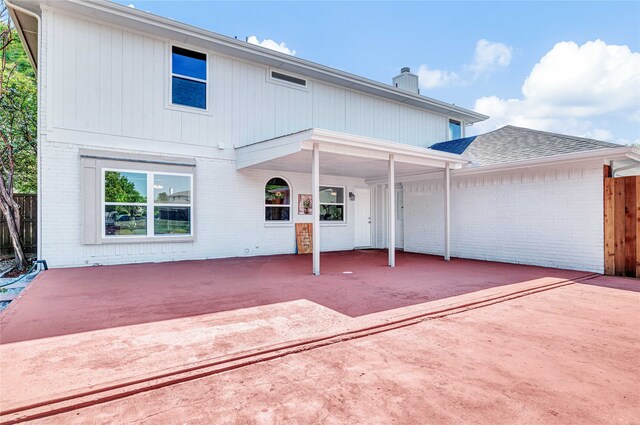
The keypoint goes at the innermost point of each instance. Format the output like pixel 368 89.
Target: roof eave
pixel 603 154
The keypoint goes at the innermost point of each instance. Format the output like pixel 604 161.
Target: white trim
pixel 268 223
pixel 343 203
pixel 169 100
pixel 149 205
pixel 337 142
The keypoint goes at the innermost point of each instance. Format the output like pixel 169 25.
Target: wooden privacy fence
pixel 28 226
pixel 622 226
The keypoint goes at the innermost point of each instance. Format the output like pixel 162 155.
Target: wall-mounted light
pixel 352 196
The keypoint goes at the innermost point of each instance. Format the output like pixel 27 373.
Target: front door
pixel 363 218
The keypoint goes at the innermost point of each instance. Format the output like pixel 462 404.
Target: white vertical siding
pixel 110 81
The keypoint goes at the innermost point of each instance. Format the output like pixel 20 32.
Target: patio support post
pixel 391 215
pixel 315 199
pixel 447 212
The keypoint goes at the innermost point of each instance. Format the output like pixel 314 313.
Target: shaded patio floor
pixel 73 300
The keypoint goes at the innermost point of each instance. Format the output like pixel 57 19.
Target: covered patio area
pixel 78 333
pixel 324 152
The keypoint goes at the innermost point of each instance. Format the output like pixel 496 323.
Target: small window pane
pixel 333 195
pixel 125 187
pixel 276 214
pixel 455 130
pixel 125 220
pixel 188 63
pixel 332 212
pixel 172 221
pixel 276 192
pixel 189 93
pixel 169 189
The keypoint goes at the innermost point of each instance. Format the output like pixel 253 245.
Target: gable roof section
pixel 138 20
pixel 510 143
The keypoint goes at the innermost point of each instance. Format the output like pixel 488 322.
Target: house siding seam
pixel 548 216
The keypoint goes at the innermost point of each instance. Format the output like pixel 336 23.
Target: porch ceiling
pixel 342 154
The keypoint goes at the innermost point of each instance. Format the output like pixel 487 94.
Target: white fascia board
pixel 148 22
pixel 257 153
pixel 634 154
pixel 407 152
pixel 602 154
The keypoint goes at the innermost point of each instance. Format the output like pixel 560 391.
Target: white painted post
pixel 392 212
pixel 315 191
pixel 447 212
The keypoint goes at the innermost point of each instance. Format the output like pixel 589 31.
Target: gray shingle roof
pixel 511 143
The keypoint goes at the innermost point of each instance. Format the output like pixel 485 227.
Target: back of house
pixel 159 141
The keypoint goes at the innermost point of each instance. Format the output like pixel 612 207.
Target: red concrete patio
pixel 82 336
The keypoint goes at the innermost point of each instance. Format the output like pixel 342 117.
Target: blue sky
pixel 581 60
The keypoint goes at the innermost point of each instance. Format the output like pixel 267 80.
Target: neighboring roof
pixel 509 143
pixel 167 28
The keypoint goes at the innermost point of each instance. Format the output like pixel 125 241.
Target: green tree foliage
pixel 18 114
pixel 118 188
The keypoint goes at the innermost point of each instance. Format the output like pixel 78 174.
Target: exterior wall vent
pixel 275 75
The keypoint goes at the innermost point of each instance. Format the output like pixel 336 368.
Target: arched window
pixel 277 200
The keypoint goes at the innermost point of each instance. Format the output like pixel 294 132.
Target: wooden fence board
pixel 609 230
pixel 618 226
pixel 637 225
pixel 629 227
pixel 28 226
pixel 622 226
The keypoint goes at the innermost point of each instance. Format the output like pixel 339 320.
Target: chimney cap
pixel 405 69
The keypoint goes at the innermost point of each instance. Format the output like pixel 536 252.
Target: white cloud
pixel 487 58
pixel 570 90
pixel 270 44
pixel 131 5
pixel 430 78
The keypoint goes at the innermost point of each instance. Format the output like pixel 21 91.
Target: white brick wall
pixel 229 215
pixel 548 216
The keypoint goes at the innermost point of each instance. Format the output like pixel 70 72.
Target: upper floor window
pixel 277 200
pixel 455 130
pixel 188 78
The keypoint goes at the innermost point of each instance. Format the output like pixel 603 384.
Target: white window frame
pixel 178 106
pixel 343 203
pixel 276 222
pixel 150 205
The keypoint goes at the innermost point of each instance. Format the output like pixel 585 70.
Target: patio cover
pixel 318 151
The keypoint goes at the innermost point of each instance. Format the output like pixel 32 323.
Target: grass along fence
pixel 28 226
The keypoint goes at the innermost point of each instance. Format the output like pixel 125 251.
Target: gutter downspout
pixel 38 124
pixel 626 167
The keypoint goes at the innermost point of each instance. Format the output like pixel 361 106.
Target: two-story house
pixel 159 141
